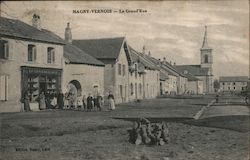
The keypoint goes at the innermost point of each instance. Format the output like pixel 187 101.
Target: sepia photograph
pixel 124 80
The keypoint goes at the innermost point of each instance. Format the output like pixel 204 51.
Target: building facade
pixel 114 54
pixel 233 84
pixel 82 73
pixel 29 63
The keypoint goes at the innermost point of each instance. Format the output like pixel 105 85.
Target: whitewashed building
pixel 31 60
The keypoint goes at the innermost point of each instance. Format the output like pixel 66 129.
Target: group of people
pixel 69 101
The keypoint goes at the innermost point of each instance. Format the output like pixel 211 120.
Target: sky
pixel 171 29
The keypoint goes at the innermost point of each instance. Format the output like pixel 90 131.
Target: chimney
pixel 68 35
pixel 149 54
pixel 164 60
pixel 36 21
pixel 143 49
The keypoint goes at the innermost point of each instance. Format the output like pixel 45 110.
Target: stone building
pixel 82 73
pixel 233 83
pixel 31 60
pixel 144 77
pixel 114 54
pixel 204 71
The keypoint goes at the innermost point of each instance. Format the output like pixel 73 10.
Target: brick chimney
pixel 36 21
pixel 68 35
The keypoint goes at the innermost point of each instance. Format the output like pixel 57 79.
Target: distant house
pixel 194 85
pixel 144 77
pixel 30 61
pixel 114 54
pixel 204 71
pixel 82 73
pixel 233 83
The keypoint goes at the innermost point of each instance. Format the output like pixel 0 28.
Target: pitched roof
pixel 234 79
pixel 141 58
pixel 191 77
pixel 17 29
pixel 195 70
pixel 105 48
pixel 76 56
pixel 167 67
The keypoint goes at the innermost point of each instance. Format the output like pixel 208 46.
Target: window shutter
pixel 53 55
pixel 6 50
pixel 1 49
pixel 34 53
pixel 6 88
pixel 2 87
pixel 49 56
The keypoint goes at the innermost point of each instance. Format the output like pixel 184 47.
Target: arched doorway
pixel 74 87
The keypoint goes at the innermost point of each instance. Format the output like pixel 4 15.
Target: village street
pixel 68 135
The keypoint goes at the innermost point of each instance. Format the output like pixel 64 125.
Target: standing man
pixel 42 104
pixel 26 102
pixel 60 101
pixel 90 103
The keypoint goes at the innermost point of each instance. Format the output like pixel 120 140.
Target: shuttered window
pixel 4 49
pixel 50 55
pixel 31 53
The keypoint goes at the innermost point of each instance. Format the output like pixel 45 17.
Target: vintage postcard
pixel 124 80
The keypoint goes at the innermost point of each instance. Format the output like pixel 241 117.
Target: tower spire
pixel 205 44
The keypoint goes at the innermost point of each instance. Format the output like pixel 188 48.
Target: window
pixel 234 83
pixel 206 59
pixel 228 88
pixel 31 53
pixel 3 87
pixel 4 49
pixel 234 88
pixel 119 69
pixel 121 95
pixel 136 71
pixel 50 55
pixel 131 89
pixel 140 88
pixel 123 70
pixel 223 83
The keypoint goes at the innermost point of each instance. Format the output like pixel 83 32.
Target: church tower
pixel 207 62
pixel 206 54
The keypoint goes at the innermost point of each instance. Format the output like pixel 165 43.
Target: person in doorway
pixel 26 102
pixel 111 100
pixel 47 100
pixel 42 104
pixel 60 101
pixel 90 102
pixel 54 102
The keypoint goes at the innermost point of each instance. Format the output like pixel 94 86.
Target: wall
pixel 230 86
pixel 121 80
pixel 151 83
pixel 18 53
pixel 136 81
pixel 86 75
pixel 171 84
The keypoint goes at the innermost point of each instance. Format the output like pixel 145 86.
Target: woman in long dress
pixel 42 104
pixel 111 100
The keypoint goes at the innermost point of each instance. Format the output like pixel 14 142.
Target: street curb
pixel 203 109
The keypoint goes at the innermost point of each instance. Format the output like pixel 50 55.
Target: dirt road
pixel 75 135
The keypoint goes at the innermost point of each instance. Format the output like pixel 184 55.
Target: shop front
pixel 36 80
